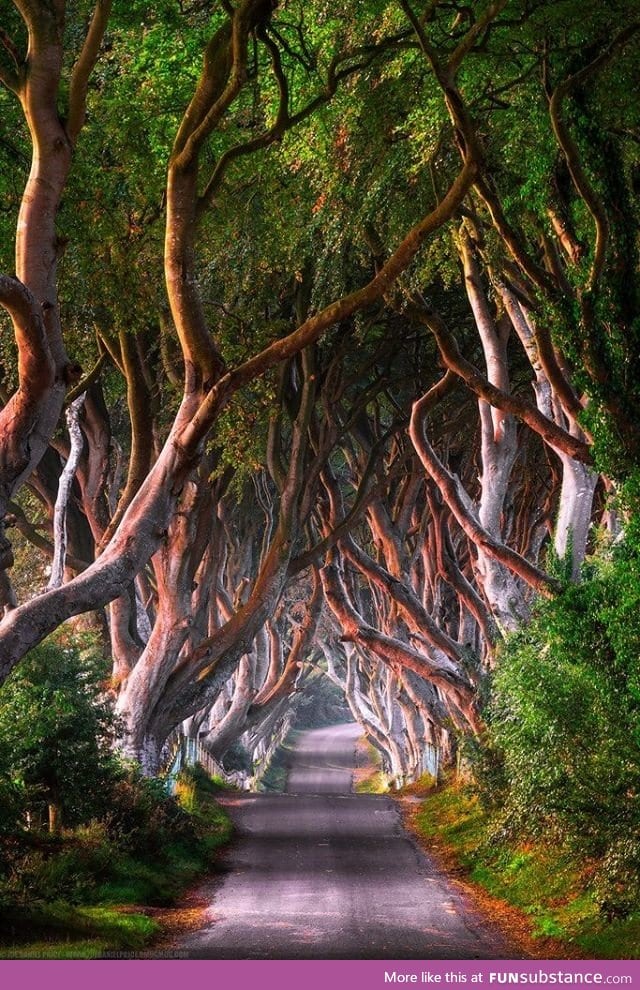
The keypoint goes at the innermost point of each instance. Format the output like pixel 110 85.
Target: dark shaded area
pixel 321 704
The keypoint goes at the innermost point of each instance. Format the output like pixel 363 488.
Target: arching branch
pixel 84 67
pixel 571 153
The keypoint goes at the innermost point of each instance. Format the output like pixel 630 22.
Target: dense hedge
pixel 562 754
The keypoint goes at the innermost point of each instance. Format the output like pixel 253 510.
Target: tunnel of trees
pixel 319 359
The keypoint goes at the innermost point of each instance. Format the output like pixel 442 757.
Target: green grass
pixel 375 782
pixel 274 780
pixel 60 931
pixel 135 882
pixel 545 881
pixel 369 777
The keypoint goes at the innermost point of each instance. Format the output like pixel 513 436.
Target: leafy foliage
pixel 366 165
pixel 56 730
pixel 125 840
pixel 565 723
pixel 547 882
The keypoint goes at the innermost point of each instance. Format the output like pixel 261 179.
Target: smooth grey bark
pixel 579 481
pixel 76 443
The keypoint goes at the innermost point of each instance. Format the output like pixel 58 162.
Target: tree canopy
pixel 319 348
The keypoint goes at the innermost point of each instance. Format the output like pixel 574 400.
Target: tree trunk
pixel 64 492
pixel 55 817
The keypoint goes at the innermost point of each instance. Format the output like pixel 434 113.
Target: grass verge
pixel 556 915
pixel 369 778
pixel 63 931
pixel 86 895
pixel 274 779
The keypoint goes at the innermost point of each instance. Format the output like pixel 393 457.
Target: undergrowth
pixel 374 782
pixel 546 880
pixel 69 895
pixel 550 817
pixel 274 780
pixel 369 776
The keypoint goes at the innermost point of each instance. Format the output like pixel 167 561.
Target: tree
pixel 146 508
pixel 57 730
pixel 352 244
pixel 565 719
pixel 29 417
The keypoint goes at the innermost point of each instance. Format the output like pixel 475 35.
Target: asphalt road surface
pixel 322 873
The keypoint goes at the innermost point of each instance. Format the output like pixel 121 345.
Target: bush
pixel 142 819
pixel 564 738
pixel 11 805
pixel 70 872
pixel 144 851
pixel 617 878
pixel 121 839
pixel 56 731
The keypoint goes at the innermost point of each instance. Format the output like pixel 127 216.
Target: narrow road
pixel 322 873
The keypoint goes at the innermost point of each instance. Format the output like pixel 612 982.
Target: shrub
pixel 123 839
pixel 142 819
pixel 564 738
pixel 11 805
pixel 56 731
